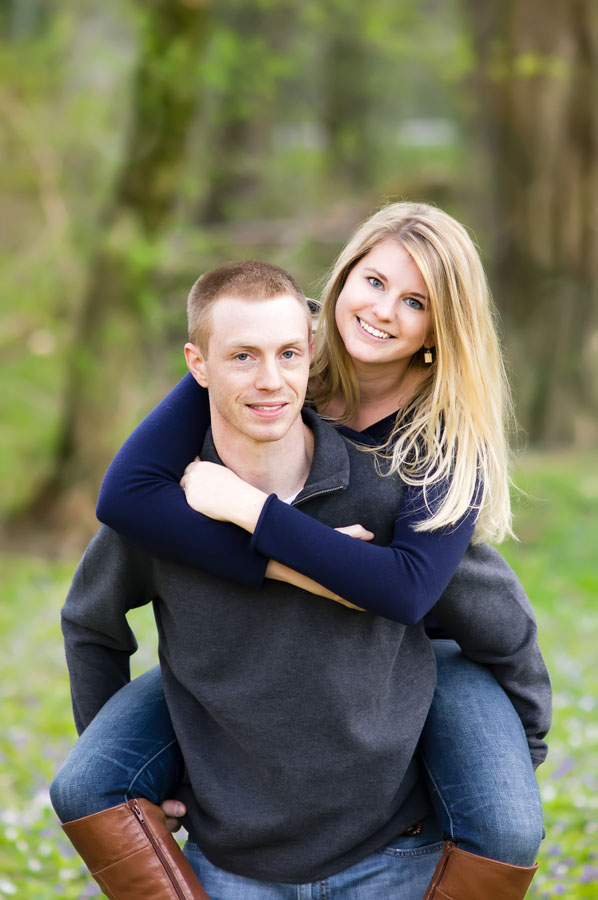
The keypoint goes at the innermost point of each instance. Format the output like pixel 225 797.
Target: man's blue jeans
pixel 402 869
pixel 473 749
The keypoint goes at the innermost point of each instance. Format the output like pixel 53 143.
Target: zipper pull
pixel 137 810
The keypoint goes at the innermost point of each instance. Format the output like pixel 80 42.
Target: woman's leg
pixel 480 776
pixel 125 763
pixel 129 750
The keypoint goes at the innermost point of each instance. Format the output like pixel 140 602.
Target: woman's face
pixel 383 311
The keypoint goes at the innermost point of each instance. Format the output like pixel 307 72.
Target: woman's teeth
pixel 373 331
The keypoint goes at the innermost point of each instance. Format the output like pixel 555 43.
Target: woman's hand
pixel 218 493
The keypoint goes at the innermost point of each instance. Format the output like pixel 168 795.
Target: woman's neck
pixel 380 394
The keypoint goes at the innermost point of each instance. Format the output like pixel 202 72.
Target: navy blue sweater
pixel 141 499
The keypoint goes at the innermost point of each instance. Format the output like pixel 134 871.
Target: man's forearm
pixel 96 672
pixel 111 579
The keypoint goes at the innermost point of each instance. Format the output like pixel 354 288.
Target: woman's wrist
pixel 246 507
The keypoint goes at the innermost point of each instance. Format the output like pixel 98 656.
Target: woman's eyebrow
pixel 381 277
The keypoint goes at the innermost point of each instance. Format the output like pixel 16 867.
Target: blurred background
pixel 144 142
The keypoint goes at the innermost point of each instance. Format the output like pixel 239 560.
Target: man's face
pixel 256 366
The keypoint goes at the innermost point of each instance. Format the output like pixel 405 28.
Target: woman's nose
pixel 384 308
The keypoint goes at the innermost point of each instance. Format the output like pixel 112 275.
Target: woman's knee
pixel 515 842
pixel 82 787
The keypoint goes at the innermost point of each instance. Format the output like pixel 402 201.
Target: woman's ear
pixel 196 363
pixel 430 338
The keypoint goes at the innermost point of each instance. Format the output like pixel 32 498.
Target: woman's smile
pixel 371 330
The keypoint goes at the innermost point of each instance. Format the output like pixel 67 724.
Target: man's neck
pixel 275 467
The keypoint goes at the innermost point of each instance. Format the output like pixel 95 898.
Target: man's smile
pixel 268 410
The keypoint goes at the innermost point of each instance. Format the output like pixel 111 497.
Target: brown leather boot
pixel 461 875
pixel 132 856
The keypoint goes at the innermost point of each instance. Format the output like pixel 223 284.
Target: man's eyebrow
pixel 381 277
pixel 238 345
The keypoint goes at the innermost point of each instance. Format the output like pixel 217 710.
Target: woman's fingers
pixel 184 480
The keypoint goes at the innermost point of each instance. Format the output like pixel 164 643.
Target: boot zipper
pixel 150 836
pixel 444 860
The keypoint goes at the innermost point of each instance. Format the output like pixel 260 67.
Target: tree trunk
pixel 346 110
pixel 244 114
pixel 108 347
pixel 536 81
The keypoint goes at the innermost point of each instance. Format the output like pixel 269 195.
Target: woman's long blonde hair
pixel 454 428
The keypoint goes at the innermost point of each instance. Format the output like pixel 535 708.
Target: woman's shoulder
pixel 374 435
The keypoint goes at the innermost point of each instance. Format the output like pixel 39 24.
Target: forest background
pixel 144 142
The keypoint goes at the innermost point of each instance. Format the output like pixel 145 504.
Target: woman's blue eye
pixel 375 282
pixel 413 303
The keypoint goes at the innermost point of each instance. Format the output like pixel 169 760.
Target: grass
pixel 555 559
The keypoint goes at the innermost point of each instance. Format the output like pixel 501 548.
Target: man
pixel 297 719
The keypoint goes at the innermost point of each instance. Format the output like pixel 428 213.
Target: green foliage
pixel 268 143
pixel 556 562
pixel 36 861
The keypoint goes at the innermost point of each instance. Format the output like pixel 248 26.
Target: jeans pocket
pixel 402 852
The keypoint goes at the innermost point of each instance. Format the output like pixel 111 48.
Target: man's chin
pixel 267 435
pixel 268 431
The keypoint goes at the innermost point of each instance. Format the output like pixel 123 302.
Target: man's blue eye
pixel 288 354
pixel 242 356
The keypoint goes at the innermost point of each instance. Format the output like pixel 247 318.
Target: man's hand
pixel 357 531
pixel 218 493
pixel 174 810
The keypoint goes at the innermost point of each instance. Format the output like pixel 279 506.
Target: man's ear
pixel 196 363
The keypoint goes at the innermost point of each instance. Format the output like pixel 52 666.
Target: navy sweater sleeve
pixel 402 581
pixel 140 497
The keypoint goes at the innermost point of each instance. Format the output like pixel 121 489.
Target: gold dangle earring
pixel 428 356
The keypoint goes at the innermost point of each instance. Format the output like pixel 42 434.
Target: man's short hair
pixel 248 279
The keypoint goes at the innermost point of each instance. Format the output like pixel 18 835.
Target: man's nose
pixel 268 375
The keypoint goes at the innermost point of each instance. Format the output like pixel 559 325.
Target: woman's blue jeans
pixel 473 749
pixel 479 771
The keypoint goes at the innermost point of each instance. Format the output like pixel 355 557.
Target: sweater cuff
pixel 254 537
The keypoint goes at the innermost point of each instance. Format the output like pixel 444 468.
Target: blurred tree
pixel 537 81
pixel 249 56
pixel 109 342
pixel 347 107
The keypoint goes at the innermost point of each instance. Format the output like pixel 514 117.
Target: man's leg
pixel 401 870
pixel 125 763
pixel 481 780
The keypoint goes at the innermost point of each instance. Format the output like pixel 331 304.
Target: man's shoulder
pixel 107 548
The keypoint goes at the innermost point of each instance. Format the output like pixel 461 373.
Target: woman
pixel 407 360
